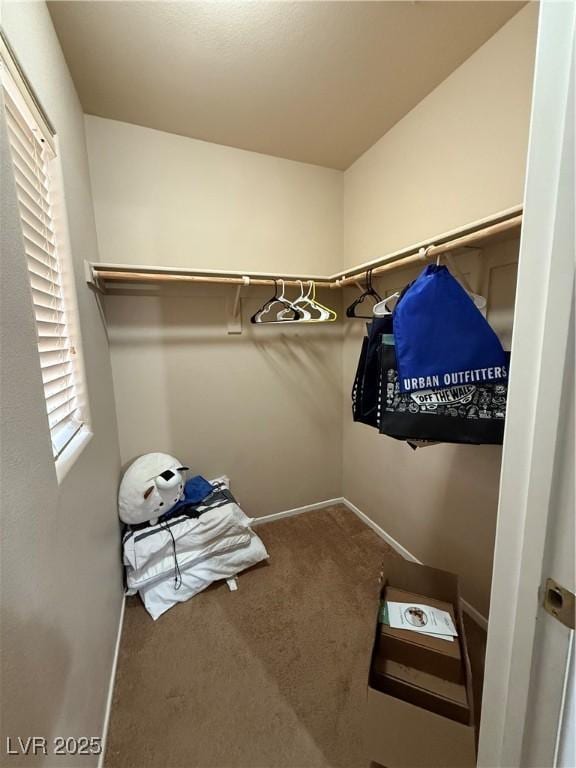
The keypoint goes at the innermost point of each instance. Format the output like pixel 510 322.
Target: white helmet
pixel 151 486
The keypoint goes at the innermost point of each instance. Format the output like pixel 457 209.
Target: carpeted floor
pixel 271 676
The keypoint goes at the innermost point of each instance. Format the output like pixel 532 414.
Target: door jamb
pixel 539 344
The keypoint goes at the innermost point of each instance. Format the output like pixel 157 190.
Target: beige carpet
pixel 270 676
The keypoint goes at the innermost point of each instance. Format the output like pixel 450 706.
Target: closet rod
pixel 157 277
pixel 434 250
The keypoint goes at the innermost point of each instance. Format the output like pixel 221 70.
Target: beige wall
pixel 166 199
pixel 457 157
pixel 61 580
pixel 264 407
pixel 439 502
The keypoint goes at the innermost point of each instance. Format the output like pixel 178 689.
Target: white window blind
pixel 32 154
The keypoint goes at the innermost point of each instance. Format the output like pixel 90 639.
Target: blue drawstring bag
pixel 196 490
pixel 442 339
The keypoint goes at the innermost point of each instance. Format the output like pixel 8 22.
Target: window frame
pixel 22 97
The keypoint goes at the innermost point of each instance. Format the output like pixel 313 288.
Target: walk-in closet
pixel 287 397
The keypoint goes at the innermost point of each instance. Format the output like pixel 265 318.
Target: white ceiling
pixel 318 82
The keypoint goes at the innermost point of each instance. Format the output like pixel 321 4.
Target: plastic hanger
pixel 382 309
pixel 308 304
pixel 369 292
pixel 303 316
pixel 332 314
pixel 296 304
pixel 322 314
pixel 258 317
pixel 299 315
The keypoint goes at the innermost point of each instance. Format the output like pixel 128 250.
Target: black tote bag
pixel 358 381
pixel 365 393
pixel 468 413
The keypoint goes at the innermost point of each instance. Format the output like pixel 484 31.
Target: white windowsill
pixel 68 457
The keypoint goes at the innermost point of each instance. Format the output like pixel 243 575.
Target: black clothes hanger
pixel 369 292
pixel 265 309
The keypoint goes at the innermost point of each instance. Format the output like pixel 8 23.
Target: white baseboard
pixel 381 532
pixel 297 511
pixel 110 696
pixel 470 610
pixel 478 617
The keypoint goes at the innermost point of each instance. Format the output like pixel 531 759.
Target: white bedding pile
pixel 217 545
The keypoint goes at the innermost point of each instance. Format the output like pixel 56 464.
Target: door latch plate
pixel 559 602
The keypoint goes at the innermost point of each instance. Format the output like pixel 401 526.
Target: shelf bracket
pixel 235 308
pixel 97 286
pixel 92 277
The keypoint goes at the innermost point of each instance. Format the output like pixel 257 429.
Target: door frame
pixel 539 344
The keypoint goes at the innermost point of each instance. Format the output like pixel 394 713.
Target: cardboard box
pixel 433 693
pixel 401 734
pixel 414 649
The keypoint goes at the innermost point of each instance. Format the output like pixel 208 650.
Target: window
pixel 33 152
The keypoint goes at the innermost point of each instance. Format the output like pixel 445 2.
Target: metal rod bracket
pixel 235 308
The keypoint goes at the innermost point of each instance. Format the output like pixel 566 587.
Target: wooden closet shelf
pixel 99 275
